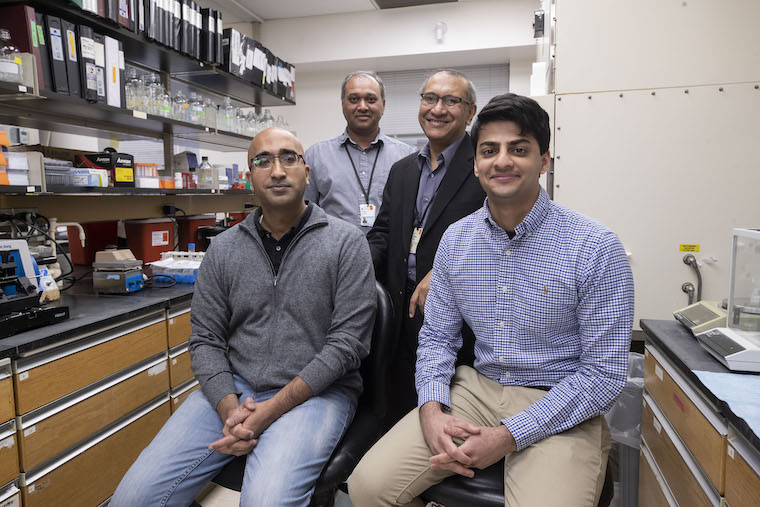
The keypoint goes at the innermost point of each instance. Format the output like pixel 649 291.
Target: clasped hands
pixel 483 445
pixel 243 424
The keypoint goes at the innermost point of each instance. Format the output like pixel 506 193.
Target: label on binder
pixel 100 55
pixel 100 79
pixel 40 35
pixel 71 37
pixel 88 48
pixel 56 43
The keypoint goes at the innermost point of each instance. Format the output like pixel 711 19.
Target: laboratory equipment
pixel 702 316
pixel 11 69
pixel 116 272
pixel 20 307
pixel 737 345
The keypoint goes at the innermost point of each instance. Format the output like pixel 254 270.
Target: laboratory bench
pixel 696 447
pixel 81 398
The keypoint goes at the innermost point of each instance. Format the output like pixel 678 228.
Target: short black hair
pixel 524 111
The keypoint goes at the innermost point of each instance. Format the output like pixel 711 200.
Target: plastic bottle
pixel 164 104
pixel 210 109
pixel 268 119
pixel 205 174
pixel 133 90
pixel 197 114
pixel 179 106
pixel 177 180
pixel 228 116
pixel 11 70
pixel 191 247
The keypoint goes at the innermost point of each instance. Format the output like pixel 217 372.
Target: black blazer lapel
pixel 456 173
pixel 410 182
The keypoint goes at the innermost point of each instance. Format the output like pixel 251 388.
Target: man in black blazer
pixel 425 193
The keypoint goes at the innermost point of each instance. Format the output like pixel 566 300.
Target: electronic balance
pixel 737 346
pixel 702 316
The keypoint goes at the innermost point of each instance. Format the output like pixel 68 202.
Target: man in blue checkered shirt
pixel 548 293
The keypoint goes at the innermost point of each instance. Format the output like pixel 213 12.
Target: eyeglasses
pixel 432 99
pixel 287 160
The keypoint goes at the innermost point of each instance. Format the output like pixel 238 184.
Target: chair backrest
pixel 375 365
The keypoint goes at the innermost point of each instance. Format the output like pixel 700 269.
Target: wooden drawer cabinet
pixel 742 475
pixel 697 424
pixel 178 327
pixel 687 482
pixel 179 365
pixel 8 452
pixel 52 429
pixel 45 377
pixel 7 407
pixel 180 394
pixel 653 492
pixel 90 473
pixel 10 496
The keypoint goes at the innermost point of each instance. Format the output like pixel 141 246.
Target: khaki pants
pixel 566 469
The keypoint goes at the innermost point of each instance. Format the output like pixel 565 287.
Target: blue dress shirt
pixel 332 181
pixel 551 307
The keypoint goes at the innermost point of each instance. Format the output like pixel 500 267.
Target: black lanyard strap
pixel 371 174
pixel 419 220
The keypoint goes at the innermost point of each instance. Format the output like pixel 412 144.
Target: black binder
pixel 198 30
pixel 112 10
pixel 259 64
pixel 71 45
pixel 123 70
pixel 186 31
pixel 47 72
pixel 133 15
pixel 151 19
pixel 100 65
pixel 177 25
pixel 218 51
pixel 208 35
pixel 87 65
pixel 57 53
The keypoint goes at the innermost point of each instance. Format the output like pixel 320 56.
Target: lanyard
pixel 371 175
pixel 418 221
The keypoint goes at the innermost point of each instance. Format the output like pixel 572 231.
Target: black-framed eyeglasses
pixel 432 99
pixel 287 160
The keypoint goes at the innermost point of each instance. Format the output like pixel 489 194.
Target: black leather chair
pixel 367 426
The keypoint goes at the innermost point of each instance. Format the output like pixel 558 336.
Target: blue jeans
pixel 281 470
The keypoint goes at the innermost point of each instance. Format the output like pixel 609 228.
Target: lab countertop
pixel 89 310
pixel 683 350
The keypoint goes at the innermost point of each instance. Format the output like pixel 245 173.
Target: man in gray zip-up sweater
pixel 282 315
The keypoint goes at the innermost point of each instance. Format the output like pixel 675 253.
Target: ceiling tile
pixel 268 9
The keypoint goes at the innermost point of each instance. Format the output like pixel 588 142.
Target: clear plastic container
pixel 228 116
pixel 11 69
pixel 180 107
pixel 206 174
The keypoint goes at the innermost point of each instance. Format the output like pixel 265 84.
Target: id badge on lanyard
pixel 416 235
pixel 367 214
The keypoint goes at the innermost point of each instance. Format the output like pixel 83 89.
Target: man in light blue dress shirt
pixel 348 172
pixel 548 293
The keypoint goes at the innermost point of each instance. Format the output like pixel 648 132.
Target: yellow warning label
pixel 689 248
pixel 125 174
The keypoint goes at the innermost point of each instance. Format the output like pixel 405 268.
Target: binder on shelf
pixel 208 35
pixel 271 74
pixel 123 71
pixel 168 22
pixel 250 46
pixel 89 71
pixel 292 92
pixel 133 15
pixel 186 32
pixel 140 16
pixel 151 19
pixel 198 30
pixel 20 21
pixel 283 79
pixel 89 6
pixel 57 53
pixel 71 44
pixel 47 71
pixel 102 9
pixel 219 54
pixel 177 26
pixel 234 44
pixel 123 13
pixel 160 15
pixel 100 64
pixel 259 64
pixel 112 10
pixel 113 72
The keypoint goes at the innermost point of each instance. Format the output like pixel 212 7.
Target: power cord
pixel 150 283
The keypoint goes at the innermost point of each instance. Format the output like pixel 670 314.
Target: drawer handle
pixel 679 402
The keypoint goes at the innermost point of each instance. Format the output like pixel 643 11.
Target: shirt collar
pixel 344 138
pixel 446 155
pixel 532 220
pixel 294 230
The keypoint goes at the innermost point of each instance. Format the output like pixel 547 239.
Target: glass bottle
pixel 11 70
pixel 179 106
pixel 133 90
pixel 210 108
pixel 154 92
pixel 196 108
pixel 251 124
pixel 164 103
pixel 228 116
pixel 205 174
pixel 268 119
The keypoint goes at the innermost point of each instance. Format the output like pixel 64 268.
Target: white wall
pixel 472 26
pixel 670 161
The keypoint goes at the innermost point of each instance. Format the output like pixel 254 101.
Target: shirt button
pixel 501 323
pixel 505 289
pixel 278 248
pixel 507 374
pixel 269 235
pixel 432 175
pixel 507 253
pixel 364 173
pixel 426 199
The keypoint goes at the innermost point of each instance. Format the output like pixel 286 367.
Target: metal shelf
pixel 98 191
pixel 152 55
pixel 19 189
